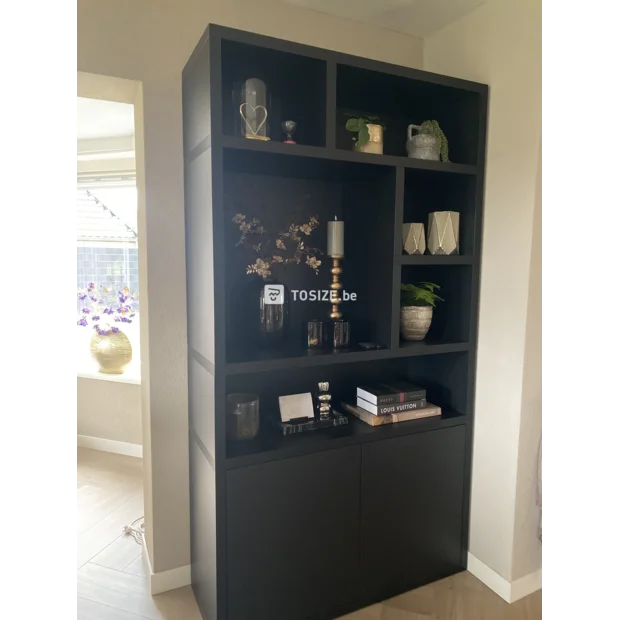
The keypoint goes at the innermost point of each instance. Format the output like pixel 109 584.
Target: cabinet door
pixel 412 504
pixel 293 536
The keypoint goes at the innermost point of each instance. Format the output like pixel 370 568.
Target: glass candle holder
pixel 315 334
pixel 242 416
pixel 341 334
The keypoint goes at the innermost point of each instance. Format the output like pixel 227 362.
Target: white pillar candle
pixel 335 238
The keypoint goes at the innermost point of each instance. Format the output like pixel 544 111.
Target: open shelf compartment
pixel 452 317
pixel 426 192
pixel 399 101
pixel 279 190
pixel 295 85
pixel 443 376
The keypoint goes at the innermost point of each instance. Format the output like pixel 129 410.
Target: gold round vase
pixel 112 352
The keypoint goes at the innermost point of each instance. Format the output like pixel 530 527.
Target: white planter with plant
pixel 416 309
pixel 369 135
pixel 429 143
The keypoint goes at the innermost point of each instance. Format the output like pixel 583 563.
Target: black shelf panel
pixel 270 361
pixel 270 446
pixel 409 348
pixel 302 150
pixel 429 259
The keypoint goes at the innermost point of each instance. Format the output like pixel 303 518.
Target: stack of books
pixel 392 402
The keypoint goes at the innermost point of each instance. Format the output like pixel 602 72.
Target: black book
pixel 392 392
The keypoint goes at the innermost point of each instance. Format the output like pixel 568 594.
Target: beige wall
pixel 150 41
pixel 500 44
pixel 109 410
pixel 527 551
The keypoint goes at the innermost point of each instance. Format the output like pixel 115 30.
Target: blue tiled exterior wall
pixel 111 267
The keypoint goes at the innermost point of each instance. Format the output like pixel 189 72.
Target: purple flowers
pixel 116 304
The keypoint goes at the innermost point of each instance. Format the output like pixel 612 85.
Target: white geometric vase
pixel 414 239
pixel 443 232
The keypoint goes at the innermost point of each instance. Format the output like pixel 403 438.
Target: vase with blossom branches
pixel 105 309
pixel 271 253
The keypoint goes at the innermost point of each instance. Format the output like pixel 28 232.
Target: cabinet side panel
pixel 197 101
pixel 202 407
pixel 203 530
pixel 199 254
pixel 196 98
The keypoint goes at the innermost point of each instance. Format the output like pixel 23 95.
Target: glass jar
pixel 273 313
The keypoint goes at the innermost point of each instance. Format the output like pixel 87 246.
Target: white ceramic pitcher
pixel 422 145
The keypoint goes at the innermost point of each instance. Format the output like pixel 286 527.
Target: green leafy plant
pixel 433 128
pixel 359 125
pixel 420 294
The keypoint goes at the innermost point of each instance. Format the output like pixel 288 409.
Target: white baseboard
pixel 509 591
pixel 168 579
pixel 526 585
pixel 108 445
pixel 489 577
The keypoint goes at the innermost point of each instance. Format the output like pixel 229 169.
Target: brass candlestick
pixel 336 287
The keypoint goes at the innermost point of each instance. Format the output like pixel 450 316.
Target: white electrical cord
pixel 136 529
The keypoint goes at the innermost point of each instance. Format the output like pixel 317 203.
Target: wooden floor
pixel 112 579
pixel 112 576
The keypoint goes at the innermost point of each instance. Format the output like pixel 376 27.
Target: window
pixel 107 250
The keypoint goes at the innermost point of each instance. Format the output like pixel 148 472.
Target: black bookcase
pixel 317 525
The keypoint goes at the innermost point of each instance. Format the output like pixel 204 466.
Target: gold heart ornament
pixel 244 107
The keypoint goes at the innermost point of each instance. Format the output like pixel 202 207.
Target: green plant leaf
pixel 353 124
pixel 431 286
pixel 433 128
pixel 419 295
pixel 364 136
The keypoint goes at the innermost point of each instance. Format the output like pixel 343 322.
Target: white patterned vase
pixel 414 239
pixel 415 321
pixel 443 232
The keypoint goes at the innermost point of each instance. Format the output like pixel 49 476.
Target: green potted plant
pixel 369 137
pixel 429 143
pixel 416 309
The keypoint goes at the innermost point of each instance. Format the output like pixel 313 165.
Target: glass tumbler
pixel 242 416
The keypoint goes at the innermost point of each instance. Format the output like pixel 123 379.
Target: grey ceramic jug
pixel 422 145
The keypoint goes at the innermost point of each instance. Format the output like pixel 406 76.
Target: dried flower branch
pixel 285 242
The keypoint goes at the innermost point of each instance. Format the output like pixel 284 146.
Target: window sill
pixel 131 375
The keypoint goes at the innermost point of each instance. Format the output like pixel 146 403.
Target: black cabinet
pixel 334 531
pixel 316 526
pixel 293 536
pixel 412 509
